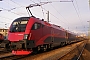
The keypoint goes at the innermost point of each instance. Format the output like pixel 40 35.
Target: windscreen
pixel 19 25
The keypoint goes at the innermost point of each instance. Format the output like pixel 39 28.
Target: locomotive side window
pixel 36 26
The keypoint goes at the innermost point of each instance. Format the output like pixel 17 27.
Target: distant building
pixel 4 31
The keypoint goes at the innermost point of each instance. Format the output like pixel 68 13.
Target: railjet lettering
pixel 20 34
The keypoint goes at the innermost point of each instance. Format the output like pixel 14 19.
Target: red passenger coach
pixel 29 34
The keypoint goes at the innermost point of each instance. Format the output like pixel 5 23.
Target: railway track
pixel 57 54
pixel 78 58
pixel 2 56
pixel 85 54
pixel 75 53
pixel 12 57
pixel 3 51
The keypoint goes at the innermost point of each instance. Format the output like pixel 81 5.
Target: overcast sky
pixel 72 16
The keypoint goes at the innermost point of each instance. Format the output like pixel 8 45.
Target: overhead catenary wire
pixel 6 18
pixel 77 14
pixel 13 5
pixel 17 3
pixel 14 2
pixel 56 17
pixel 2 23
pixel 20 6
pixel 9 3
pixel 5 23
pixel 77 10
pixel 42 9
pixel 52 14
pixel 58 12
pixel 9 11
pixel 74 7
pixel 17 7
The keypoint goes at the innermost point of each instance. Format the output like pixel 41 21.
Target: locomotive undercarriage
pixel 22 44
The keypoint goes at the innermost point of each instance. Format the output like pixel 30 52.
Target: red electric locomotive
pixel 28 34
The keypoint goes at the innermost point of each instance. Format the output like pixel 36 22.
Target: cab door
pixel 36 31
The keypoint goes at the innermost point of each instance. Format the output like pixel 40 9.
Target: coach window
pixel 36 26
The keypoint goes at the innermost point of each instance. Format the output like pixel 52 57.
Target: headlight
pixel 26 36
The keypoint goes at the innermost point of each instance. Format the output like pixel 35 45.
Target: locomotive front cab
pixel 17 29
pixel 18 35
pixel 23 34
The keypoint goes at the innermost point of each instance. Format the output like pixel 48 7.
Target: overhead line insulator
pixel 66 1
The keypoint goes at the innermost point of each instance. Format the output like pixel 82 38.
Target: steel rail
pixel 81 51
pixel 69 51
